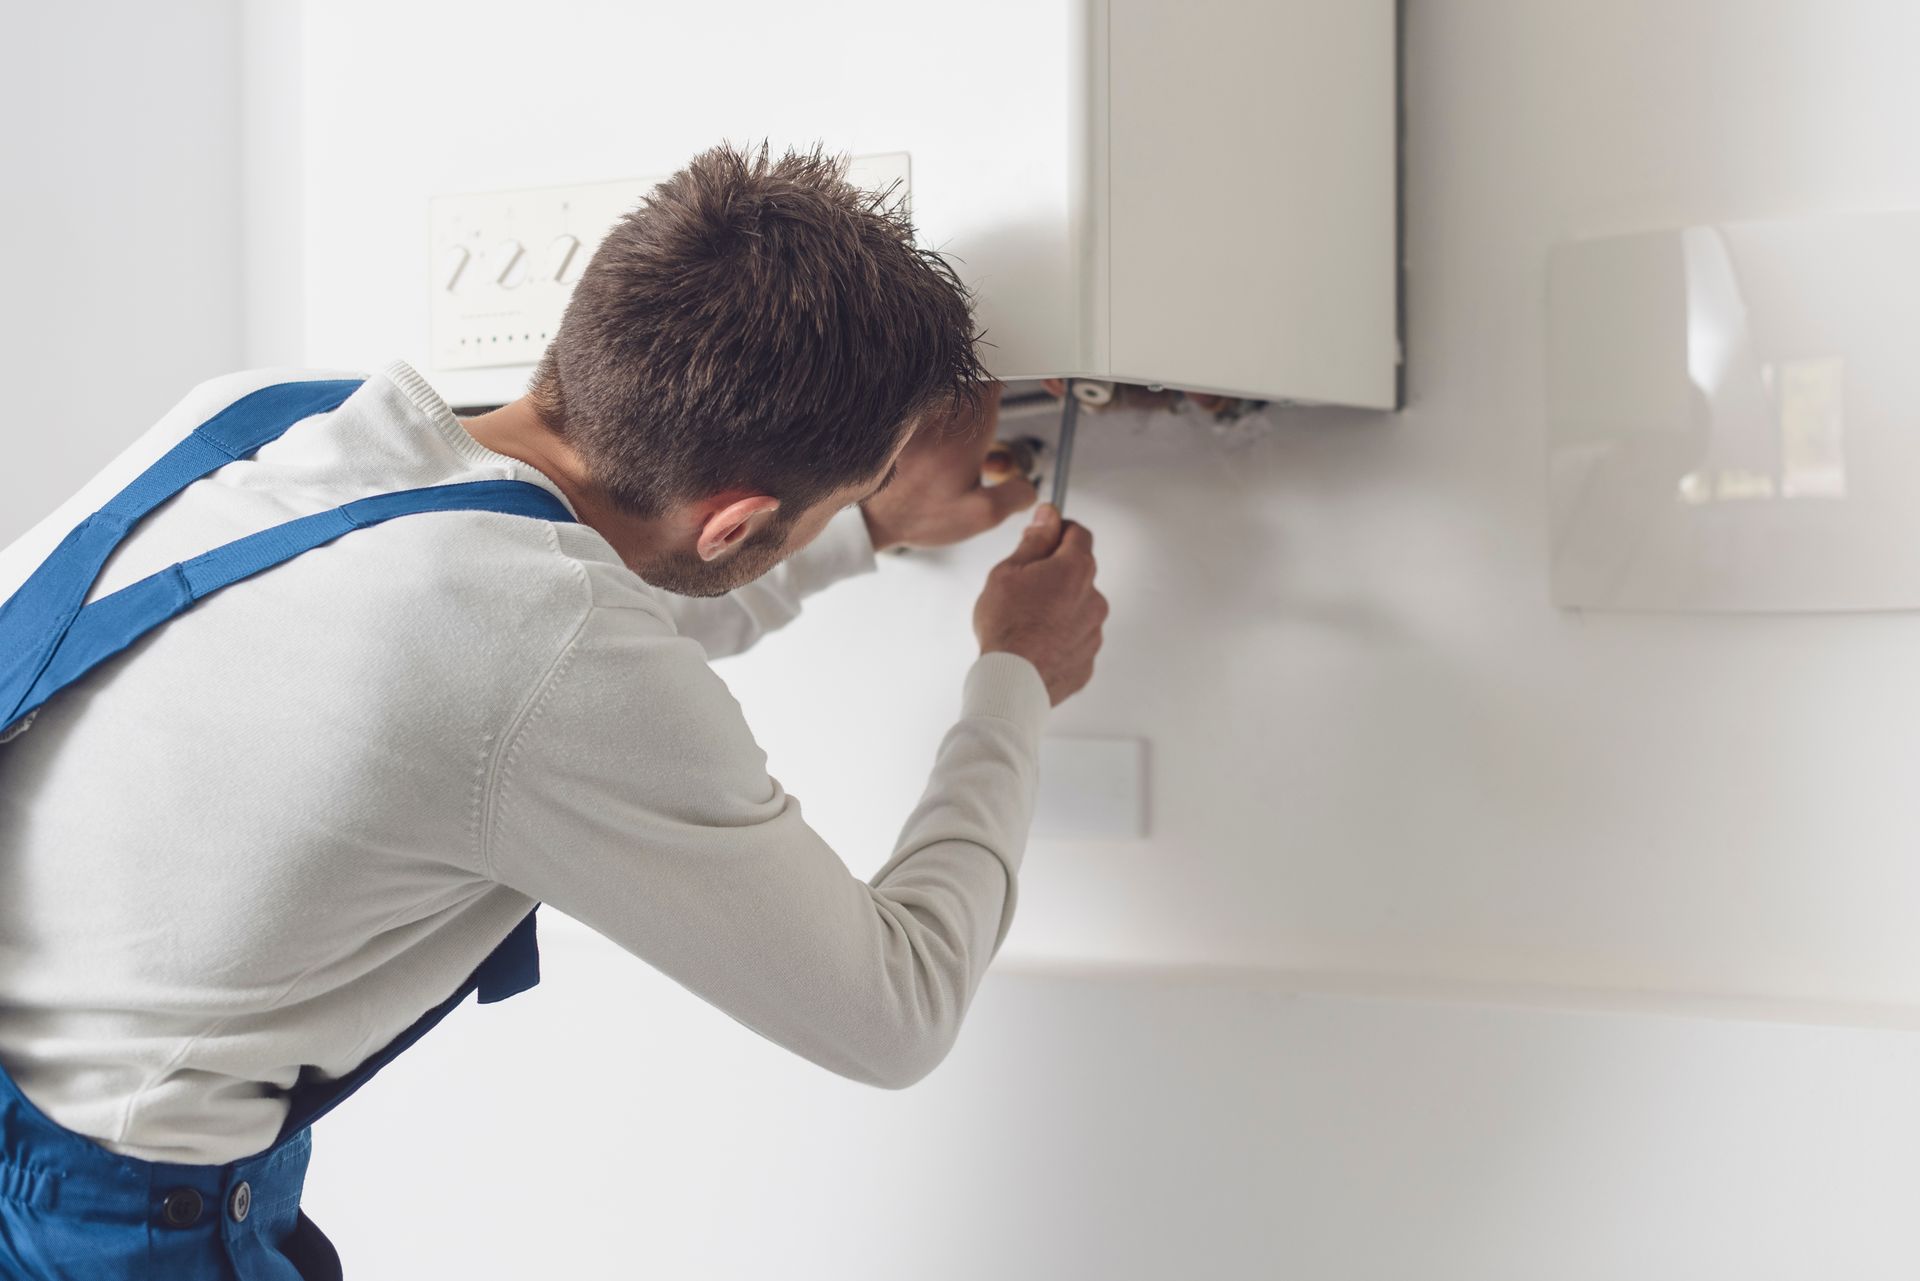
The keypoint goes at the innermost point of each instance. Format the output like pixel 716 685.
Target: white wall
pixel 120 168
pixel 610 1125
pixel 273 197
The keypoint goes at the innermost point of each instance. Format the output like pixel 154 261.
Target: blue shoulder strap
pixel 35 619
pixel 107 626
pixel 50 638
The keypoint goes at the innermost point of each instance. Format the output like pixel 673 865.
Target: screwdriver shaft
pixel 1063 451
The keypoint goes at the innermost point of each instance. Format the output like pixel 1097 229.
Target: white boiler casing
pixel 1202 195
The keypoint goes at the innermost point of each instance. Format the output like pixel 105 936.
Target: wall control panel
pixel 504 263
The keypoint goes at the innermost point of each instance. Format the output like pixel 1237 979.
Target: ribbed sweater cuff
pixel 1009 687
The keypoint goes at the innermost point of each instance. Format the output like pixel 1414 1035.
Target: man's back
pixel 202 837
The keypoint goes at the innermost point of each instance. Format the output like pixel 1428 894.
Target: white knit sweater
pixel 274 831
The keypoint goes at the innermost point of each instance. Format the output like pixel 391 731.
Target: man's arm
pixel 935 498
pixel 732 623
pixel 633 797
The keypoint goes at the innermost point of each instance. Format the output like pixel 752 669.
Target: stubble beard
pixel 684 574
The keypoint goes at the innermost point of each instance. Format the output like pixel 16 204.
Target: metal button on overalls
pixel 240 1202
pixel 182 1207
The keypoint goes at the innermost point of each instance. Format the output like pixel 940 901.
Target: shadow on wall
pixel 1219 513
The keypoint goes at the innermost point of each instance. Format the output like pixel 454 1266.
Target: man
pixel 252 853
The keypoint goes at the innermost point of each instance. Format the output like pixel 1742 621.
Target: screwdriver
pixel 1063 452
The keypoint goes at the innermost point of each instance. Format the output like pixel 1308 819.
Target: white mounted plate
pixel 1734 417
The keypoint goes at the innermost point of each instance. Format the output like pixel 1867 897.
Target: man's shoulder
pixel 211 395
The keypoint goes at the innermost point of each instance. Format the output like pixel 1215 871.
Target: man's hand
pixel 936 497
pixel 1040 603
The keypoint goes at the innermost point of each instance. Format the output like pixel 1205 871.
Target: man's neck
pixel 515 430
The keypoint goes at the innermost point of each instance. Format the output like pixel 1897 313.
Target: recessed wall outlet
pixel 1092 789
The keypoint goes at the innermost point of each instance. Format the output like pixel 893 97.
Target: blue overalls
pixel 70 1208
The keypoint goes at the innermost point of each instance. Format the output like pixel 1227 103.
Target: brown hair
pixel 756 323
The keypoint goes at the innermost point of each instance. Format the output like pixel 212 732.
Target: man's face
pixel 682 572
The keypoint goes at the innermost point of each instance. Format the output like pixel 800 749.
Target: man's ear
pixel 726 526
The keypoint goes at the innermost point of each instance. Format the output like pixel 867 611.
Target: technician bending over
pixel 254 838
